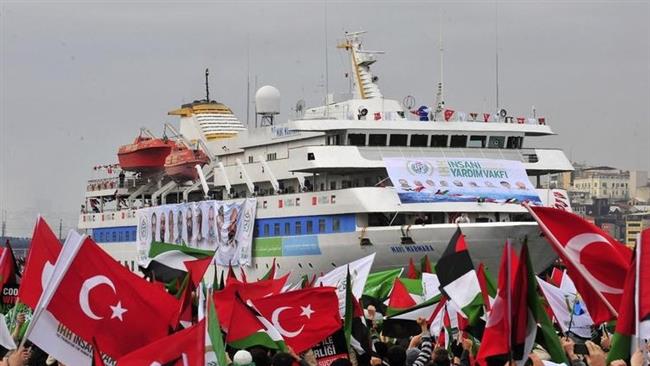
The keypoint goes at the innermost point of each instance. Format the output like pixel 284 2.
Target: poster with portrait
pixel 225 227
pixel 418 180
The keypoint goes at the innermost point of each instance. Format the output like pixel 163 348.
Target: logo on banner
pixel 143 229
pixel 418 167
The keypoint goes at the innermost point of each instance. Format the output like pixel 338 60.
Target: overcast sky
pixel 79 78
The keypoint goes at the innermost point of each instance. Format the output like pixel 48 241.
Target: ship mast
pixel 207 87
pixel 440 101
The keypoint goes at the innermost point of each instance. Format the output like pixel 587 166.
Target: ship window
pixel 287 228
pixel 419 140
pixel 266 230
pixel 336 224
pixel 276 229
pixel 458 141
pixel 439 140
pixel 321 225
pixel 332 185
pixel 271 156
pixel 310 227
pixel 514 142
pixel 377 140
pixel 357 139
pixel 497 142
pixel 398 140
pixel 298 228
pixel 477 141
pixel 250 158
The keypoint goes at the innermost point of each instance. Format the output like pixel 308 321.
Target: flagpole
pixel 509 296
pixel 637 271
pixel 556 243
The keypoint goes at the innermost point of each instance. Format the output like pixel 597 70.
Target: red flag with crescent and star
pixel 595 261
pixel 43 253
pixel 303 317
pixel 97 297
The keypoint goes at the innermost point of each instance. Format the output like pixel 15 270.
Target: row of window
pixel 114 234
pixel 603 185
pixel 305 225
pixel 420 140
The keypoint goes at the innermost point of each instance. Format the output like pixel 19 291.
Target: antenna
pixel 248 80
pixel 496 49
pixel 207 87
pixel 440 101
pixel 327 86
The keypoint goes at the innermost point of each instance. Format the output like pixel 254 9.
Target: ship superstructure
pixel 320 181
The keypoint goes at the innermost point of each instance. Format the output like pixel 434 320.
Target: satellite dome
pixel 267 100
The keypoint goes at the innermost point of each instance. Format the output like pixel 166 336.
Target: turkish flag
pixel 448 114
pixel 223 300
pixel 596 262
pixel 186 348
pixel 43 253
pixel 98 297
pixel 303 317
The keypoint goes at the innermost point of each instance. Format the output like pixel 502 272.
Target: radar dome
pixel 267 100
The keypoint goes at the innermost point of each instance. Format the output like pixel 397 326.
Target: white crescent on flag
pixel 574 249
pixel 276 323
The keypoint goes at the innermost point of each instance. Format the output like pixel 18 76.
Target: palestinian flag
pixel 248 328
pixel 458 279
pixel 97 356
pixel 403 324
pixel 625 339
pixel 488 287
pixel 8 267
pixel 379 284
pixel 357 334
pixel 400 298
pixel 166 262
pixel 528 319
pixel 415 288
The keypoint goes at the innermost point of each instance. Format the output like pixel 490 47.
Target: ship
pixel 321 184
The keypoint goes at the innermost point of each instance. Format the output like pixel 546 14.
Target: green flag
pixel 379 284
pixel 214 334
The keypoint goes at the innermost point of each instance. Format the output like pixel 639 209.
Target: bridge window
pixel 271 156
pixel 477 141
pixel 250 158
pixel 439 140
pixel 357 139
pixel 458 141
pixel 377 140
pixel 398 140
pixel 514 142
pixel 497 142
pixel 419 140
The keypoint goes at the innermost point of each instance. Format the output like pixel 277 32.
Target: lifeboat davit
pixel 145 154
pixel 181 162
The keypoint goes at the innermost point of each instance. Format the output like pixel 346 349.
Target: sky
pixel 79 78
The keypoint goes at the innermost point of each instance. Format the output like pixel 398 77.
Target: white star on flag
pixel 118 310
pixel 307 311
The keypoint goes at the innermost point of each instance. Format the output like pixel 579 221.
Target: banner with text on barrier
pixel 420 180
pixel 225 227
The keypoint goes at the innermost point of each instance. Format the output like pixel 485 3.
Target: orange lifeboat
pixel 145 154
pixel 181 162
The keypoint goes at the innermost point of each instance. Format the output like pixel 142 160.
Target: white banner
pixel 420 180
pixel 226 227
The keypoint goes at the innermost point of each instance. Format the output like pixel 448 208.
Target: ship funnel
pixel 267 104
